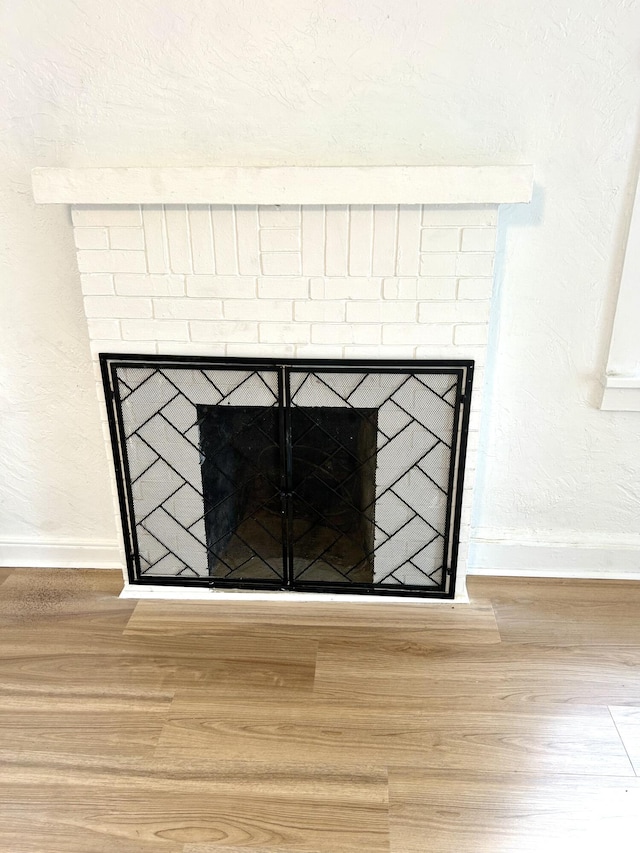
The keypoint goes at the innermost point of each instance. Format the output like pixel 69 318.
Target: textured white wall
pixel 194 83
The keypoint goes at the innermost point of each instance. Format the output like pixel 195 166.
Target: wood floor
pixel 510 724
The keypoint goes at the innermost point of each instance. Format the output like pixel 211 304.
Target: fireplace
pixel 299 475
pixel 281 267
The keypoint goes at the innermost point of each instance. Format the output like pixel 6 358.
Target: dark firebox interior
pixel 318 509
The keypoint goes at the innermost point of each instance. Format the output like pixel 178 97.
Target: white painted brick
pixel 102 407
pixel 438 263
pixel 384 239
pixel 318 351
pixel 281 263
pixel 224 239
pixel 221 287
pixel 261 350
pixel 283 288
pixel 407 258
pixel 469 334
pixel 111 261
pixel 474 420
pixel 226 331
pixel 465 516
pixel 247 239
pixel 364 351
pixel 360 239
pixel 187 309
pixel 453 312
pixel 149 285
pixel 459 215
pixel 106 329
pixel 105 214
pixel 91 238
pixel 137 347
pixel 475 288
pixel 150 330
pixel 436 288
pixel 424 334
pixel 345 288
pixel 254 309
pixel 478 239
pixel 434 351
pixel 117 307
pixel 380 351
pixel 96 284
pixel 178 238
pixel 381 312
pixel 320 311
pixel 121 237
pixel 345 333
pixel 313 239
pixel 201 232
pixel 440 240
pixel 190 348
pixel 392 287
pixel 473 442
pixel 327 333
pixel 477 264
pixel 280 240
pixel 279 215
pixel 284 333
pixel 477 352
pixel 336 240
pixel 155 238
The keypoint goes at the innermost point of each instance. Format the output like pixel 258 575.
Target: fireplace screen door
pixel 320 476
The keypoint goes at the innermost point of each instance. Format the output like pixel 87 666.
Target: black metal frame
pixel 463 369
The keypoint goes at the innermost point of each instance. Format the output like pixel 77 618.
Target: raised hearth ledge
pixel 285 185
pixel 175 593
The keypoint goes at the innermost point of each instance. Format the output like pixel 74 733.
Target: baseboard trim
pixel 60 553
pixel 500 557
pixel 596 561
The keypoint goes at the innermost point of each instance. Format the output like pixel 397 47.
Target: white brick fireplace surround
pixel 371 262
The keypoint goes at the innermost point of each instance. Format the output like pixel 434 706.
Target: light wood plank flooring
pixel 509 724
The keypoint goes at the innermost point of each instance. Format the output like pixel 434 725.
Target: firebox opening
pixel 320 485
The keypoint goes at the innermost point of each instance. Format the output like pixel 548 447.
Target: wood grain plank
pixel 552 610
pixel 4 573
pixel 467 813
pixel 40 593
pixel 627 721
pixel 451 623
pixel 81 725
pixel 242 821
pixel 514 673
pixel 35 834
pixel 197 775
pixel 577 740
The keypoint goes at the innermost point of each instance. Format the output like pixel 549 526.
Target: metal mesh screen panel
pixel 407 509
pixel 161 411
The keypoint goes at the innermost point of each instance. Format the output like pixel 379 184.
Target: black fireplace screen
pixel 316 475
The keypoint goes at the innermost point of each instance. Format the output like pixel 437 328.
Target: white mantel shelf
pixel 285 185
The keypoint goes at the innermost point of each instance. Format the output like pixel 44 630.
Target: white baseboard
pixel 522 558
pixel 487 556
pixel 60 553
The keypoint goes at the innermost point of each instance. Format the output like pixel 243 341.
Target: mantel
pixel 285 185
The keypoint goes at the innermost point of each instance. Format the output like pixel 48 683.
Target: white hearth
pixel 372 262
